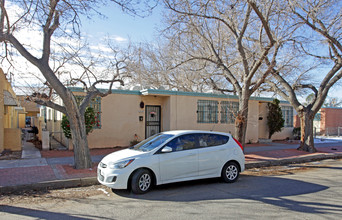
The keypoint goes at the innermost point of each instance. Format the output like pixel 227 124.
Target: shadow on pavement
pixel 269 190
pixel 40 214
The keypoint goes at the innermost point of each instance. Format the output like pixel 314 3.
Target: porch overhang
pixel 20 110
pixel 9 100
pixel 154 92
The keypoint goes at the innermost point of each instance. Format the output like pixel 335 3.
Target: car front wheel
pixel 230 172
pixel 141 181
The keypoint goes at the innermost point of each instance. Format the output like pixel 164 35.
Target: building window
pixel 95 103
pixel 207 111
pixel 229 111
pixel 287 115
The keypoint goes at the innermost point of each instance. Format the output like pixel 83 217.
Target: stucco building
pixel 328 121
pixel 129 115
pixel 12 117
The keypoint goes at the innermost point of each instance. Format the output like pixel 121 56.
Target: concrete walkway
pixel 29 151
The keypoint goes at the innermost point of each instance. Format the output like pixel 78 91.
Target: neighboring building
pixel 327 121
pixel 12 117
pixel 128 115
pixel 50 120
pixel 330 121
pixel 32 110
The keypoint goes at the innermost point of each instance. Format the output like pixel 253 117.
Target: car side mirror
pixel 166 149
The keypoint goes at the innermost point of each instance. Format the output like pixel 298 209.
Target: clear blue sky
pixel 121 24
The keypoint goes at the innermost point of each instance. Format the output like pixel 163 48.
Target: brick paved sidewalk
pixel 27 176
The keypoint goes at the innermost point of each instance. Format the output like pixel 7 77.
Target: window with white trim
pixel 287 115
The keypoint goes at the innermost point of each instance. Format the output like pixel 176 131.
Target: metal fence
pixel 330 131
pixel 56 140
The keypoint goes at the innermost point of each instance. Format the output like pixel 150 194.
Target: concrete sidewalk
pixel 53 169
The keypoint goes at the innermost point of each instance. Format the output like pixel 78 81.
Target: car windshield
pixel 151 142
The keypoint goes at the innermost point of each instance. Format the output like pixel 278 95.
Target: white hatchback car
pixel 173 156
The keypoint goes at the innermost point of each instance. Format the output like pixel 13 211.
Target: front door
pixel 152 115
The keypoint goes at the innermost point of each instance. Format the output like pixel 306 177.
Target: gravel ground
pixel 10 155
pixel 55 195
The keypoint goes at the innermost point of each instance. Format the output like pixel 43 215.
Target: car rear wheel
pixel 230 172
pixel 141 181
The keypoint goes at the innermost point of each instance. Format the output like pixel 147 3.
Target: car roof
pixel 179 132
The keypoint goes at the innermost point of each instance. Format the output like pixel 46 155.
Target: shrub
pixel 90 120
pixel 275 120
pixel 296 133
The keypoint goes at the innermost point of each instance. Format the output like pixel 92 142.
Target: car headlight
pixel 120 165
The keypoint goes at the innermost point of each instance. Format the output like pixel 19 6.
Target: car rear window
pixel 209 140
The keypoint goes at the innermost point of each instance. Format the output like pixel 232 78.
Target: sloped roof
pixel 9 100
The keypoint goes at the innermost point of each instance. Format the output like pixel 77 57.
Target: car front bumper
pixel 116 179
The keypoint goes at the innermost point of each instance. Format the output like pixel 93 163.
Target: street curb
pixel 48 185
pixel 89 181
pixel 286 161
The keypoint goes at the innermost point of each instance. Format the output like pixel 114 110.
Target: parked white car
pixel 173 156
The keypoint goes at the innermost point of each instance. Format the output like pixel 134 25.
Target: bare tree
pixel 318 38
pixel 232 39
pixel 333 102
pixel 56 20
pixel 153 66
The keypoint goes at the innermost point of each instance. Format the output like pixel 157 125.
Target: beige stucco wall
pixel 1 112
pixel 184 116
pixel 12 139
pixel 286 133
pixel 177 113
pixel 263 128
pixel 252 135
pixel 10 134
pixel 22 122
pixel 120 118
pixel 40 125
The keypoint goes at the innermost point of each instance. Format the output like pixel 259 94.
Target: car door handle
pixel 191 154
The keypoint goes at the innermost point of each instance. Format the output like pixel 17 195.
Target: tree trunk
pixel 306 139
pixel 82 157
pixel 241 121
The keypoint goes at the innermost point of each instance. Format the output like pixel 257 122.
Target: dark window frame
pixel 229 110
pixel 207 111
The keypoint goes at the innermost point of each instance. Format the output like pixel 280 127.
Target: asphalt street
pixel 314 192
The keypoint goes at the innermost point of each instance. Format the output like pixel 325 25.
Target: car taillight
pixel 238 143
